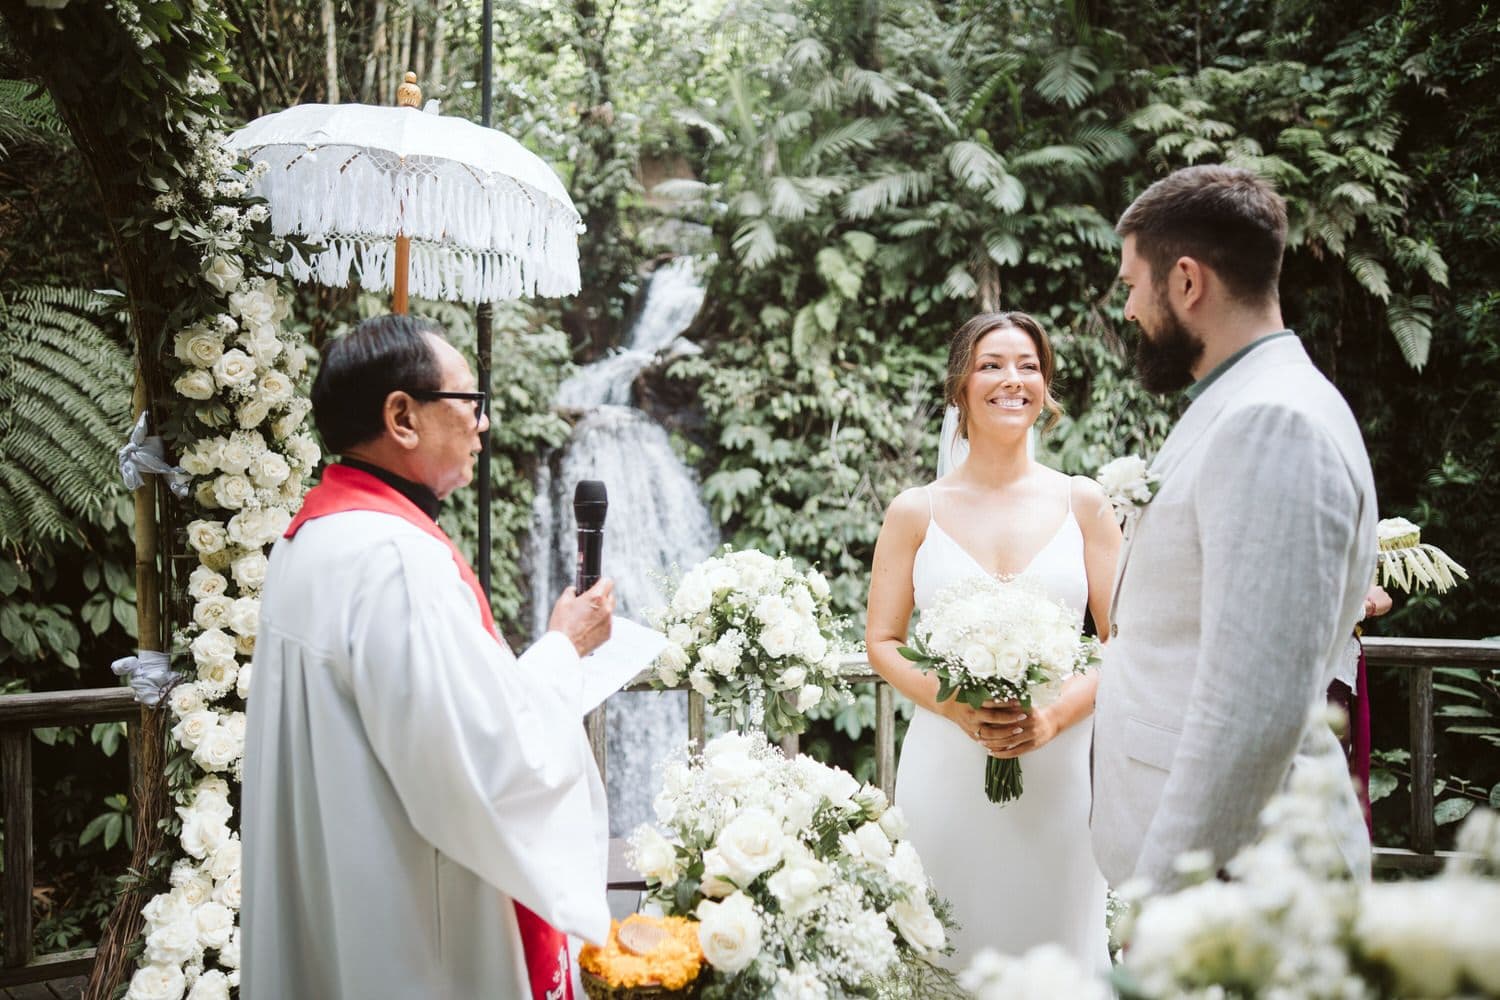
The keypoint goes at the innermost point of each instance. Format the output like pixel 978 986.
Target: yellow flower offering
pixel 646 951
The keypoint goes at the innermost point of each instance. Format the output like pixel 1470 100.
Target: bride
pixel 1022 873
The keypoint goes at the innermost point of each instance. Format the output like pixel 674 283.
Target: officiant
pixel 422 813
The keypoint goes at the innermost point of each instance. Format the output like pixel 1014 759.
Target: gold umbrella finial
pixel 408 94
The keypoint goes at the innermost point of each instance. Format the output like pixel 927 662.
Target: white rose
pixel 226 860
pixel 916 922
pixel 164 909
pixel 977 660
pixel 262 344
pixel 198 459
pixel 227 892
pixel 304 450
pixel 185 699
pixel 750 844
pixel 818 584
pixel 222 273
pixel 212 646
pixel 234 453
pixel 252 413
pixel 716 883
pixel 780 639
pixel 792 677
pixel 218 749
pixel 905 867
pixel 207 537
pixel 204 582
pixel 212 985
pixel 242 682
pixel 692 597
pixel 796 883
pixel 229 955
pixel 809 697
pixel 191 729
pixel 702 683
pixel 217 678
pixel 249 528
pixel 249 571
pixel 873 843
pixel 211 612
pixel 195 889
pixel 196 384
pixel 295 362
pixel 231 491
pixel 653 855
pixel 234 369
pixel 215 924
pixel 275 388
pixel 836 785
pixel 172 944
pixel 729 932
pixel 244 615
pixel 198 346
pixel 156 982
pixel 253 306
pixel 893 822
pixel 204 494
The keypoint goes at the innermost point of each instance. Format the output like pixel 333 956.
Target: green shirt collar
pixel 1199 387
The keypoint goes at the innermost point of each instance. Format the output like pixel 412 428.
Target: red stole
pixel 344 489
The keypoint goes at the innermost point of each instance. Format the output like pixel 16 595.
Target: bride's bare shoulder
pixel 1089 498
pixel 910 509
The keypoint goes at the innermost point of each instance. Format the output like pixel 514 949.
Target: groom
pixel 1243 577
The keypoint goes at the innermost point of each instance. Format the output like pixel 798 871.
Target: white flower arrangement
pixel 988 639
pixel 239 383
pixel 797 874
pixel 1130 484
pixel 753 635
pixel 1290 923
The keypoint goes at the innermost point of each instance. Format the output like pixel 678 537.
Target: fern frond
pixel 886 192
pixel 1068 77
pixel 1370 273
pixel 790 125
pixel 756 244
pixel 64 410
pixel 1107 143
pixel 1158 118
pixel 1053 158
pixel 869 84
pixel 975 165
pixel 960 284
pixel 861 133
pixel 806 52
pixel 1413 255
pixel 1411 324
pixel 1003 248
pixel 1002 76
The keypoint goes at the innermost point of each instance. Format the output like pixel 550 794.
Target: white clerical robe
pixel 406 778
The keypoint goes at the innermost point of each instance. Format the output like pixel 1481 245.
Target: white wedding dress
pixel 1022 873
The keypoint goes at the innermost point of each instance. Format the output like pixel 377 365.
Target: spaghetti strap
pixel 930 515
pixel 1070 495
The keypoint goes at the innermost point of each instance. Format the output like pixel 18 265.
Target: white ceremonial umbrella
pixel 481 217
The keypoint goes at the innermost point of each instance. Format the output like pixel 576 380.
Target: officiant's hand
pixel 585 620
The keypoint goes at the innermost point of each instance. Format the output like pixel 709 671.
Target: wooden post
pixel 595 724
pixel 695 721
pixel 15 776
pixel 1423 762
pixel 885 739
pixel 403 265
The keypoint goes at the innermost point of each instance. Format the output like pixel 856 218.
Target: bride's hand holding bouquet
pixel 1001 650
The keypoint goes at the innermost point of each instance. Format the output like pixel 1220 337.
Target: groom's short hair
pixel 1223 217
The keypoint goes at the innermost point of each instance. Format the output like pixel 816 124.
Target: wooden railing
pixel 21 713
pixel 1418 657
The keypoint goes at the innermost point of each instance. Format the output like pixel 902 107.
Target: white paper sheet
pixel 631 648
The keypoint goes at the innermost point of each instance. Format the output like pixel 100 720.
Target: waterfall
pixel 657 525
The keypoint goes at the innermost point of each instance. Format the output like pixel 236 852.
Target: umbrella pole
pixel 483 330
pixel 403 265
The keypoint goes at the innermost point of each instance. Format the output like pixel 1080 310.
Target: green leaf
pixel 1371 274
pixel 1382 783
pixel 1068 76
pixel 1411 324
pixel 95 828
pixel 861 244
pixel 1452 810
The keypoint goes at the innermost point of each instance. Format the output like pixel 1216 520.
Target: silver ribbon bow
pixel 149 673
pixel 142 456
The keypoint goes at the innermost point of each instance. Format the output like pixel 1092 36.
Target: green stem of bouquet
pixel 1002 779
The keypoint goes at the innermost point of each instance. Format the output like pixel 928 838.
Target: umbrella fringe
pixel 502 237
pixel 435 272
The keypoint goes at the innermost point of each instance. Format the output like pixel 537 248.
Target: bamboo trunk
pixel 330 55
pixel 375 66
pixel 439 46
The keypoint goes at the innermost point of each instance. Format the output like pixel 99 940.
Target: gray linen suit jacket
pixel 1237 589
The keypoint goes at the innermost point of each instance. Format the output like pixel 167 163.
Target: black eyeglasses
pixel 428 395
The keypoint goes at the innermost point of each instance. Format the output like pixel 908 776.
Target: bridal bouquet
pixel 1000 640
pixel 753 635
pixel 797 875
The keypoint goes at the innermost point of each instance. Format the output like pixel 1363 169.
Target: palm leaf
pixel 1370 273
pixel 886 192
pixel 860 133
pixel 756 244
pixel 1411 324
pixel 868 84
pixel 1067 77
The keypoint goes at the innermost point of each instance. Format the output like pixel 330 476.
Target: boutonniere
pixel 1130 484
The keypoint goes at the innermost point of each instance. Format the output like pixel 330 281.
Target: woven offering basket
pixel 598 989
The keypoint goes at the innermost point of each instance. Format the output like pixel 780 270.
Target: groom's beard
pixel 1164 362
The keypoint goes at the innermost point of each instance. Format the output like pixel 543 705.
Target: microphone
pixel 590 504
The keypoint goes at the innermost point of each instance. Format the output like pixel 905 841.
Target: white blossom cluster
pixel 1129 483
pixel 1290 924
pixel 239 382
pixel 743 626
pixel 807 889
pixel 1003 639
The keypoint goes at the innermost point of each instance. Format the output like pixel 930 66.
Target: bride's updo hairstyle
pixel 961 362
